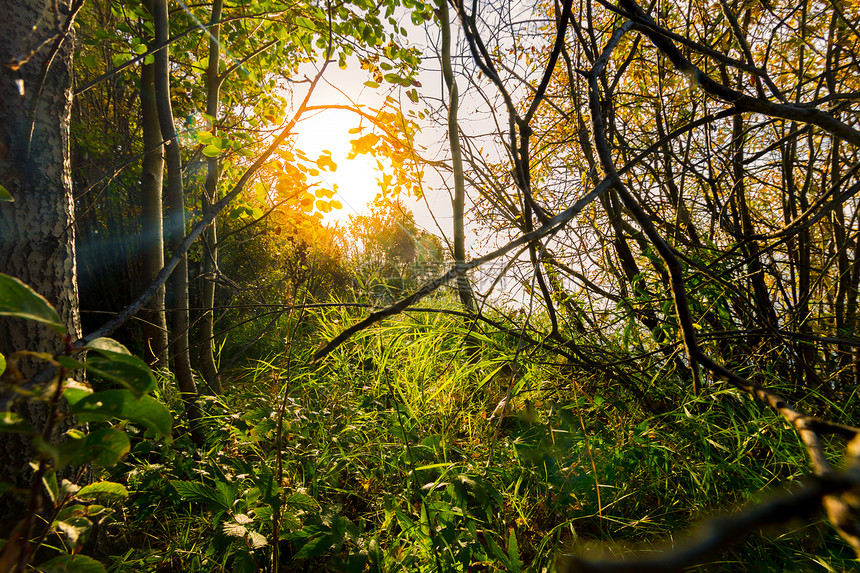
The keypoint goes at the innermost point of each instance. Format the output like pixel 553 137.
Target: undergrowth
pixel 391 455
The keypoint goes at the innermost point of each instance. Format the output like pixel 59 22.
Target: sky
pixel 356 179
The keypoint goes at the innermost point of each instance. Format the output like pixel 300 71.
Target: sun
pixel 355 180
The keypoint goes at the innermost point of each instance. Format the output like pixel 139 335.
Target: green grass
pixel 388 462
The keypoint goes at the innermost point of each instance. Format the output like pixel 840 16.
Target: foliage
pixel 378 460
pixel 391 256
pixel 66 442
pixel 678 185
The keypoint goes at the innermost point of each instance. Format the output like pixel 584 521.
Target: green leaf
pixel 5 195
pixel 74 394
pixel 301 501
pixel 108 344
pixel 49 480
pixel 316 546
pixel 514 553
pixel 211 151
pixel 121 404
pixel 19 300
pixel 2 364
pixel 191 491
pixel 72 564
pixel 106 447
pixel 103 491
pixel 12 422
pixel 62 454
pixel 122 368
pixel 305 23
pixel 74 527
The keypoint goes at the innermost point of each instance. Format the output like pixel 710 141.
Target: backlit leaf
pixel 122 404
pixel 19 300
pixel 103 491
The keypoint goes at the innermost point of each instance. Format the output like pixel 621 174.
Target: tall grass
pixel 391 460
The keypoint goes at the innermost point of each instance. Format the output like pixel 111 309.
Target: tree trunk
pixel 154 319
pixel 459 200
pixel 37 237
pixel 206 338
pixel 175 222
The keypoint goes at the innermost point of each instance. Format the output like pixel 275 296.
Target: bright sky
pixel 355 179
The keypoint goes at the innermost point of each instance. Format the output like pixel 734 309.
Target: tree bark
pixel 175 230
pixel 459 200
pixel 152 176
pixel 37 236
pixel 206 337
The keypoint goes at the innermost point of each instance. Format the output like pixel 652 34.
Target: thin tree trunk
pixel 175 230
pixel 152 176
pixel 37 234
pixel 206 338
pixel 459 200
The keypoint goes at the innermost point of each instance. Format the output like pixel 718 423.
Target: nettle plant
pixel 82 429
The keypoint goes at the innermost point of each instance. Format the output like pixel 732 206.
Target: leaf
pixel 211 151
pixel 371 85
pixel 122 404
pixel 103 491
pixel 325 162
pixel 122 368
pixel 257 539
pixel 233 529
pixel 305 23
pixel 2 364
pixel 74 527
pixel 316 547
pixel 301 501
pixel 514 553
pixel 198 492
pixel 105 447
pixel 49 480
pixel 5 196
pixel 19 300
pixel 72 564
pixel 11 422
pixel 108 344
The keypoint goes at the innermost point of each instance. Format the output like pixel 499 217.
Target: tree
pixel 691 190
pixel 206 358
pixel 391 254
pixel 155 339
pixel 37 236
pixel 458 200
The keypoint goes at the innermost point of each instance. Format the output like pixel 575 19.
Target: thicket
pixel 672 188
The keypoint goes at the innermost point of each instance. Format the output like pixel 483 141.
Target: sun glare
pixel 354 180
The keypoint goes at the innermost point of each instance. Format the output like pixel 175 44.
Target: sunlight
pixel 355 179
